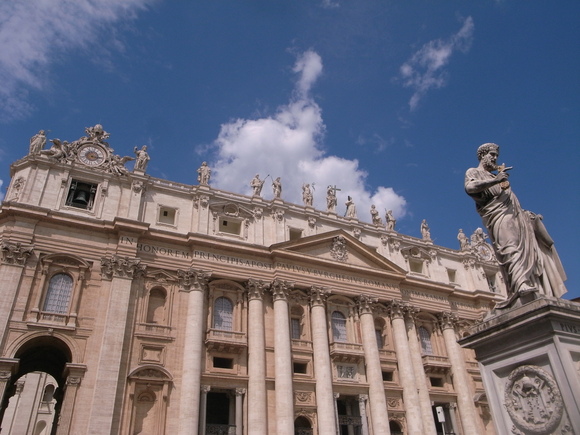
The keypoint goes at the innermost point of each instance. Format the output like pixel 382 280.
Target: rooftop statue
pixel 277 187
pixel 463 241
pixel 522 246
pixel 331 200
pixel 257 184
pixel 350 208
pixel 58 150
pixel 203 174
pixel 142 158
pixel 37 142
pixel 425 230
pixel 375 215
pixel 391 221
pixel 307 196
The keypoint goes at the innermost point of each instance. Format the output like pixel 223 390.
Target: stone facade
pixel 165 308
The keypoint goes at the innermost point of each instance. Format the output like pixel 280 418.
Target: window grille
pixel 223 314
pixel 58 294
pixel 425 337
pixel 339 326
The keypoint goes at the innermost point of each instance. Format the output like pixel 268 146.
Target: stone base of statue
pixel 529 357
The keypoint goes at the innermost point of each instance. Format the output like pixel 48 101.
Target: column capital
pixel 256 288
pixel 240 391
pixel 192 279
pixel 318 295
pixel 447 320
pixel 397 309
pixel 336 395
pixel 121 267
pixel 411 312
pixel 205 389
pixel 280 289
pixel 363 397
pixel 15 253
pixel 366 304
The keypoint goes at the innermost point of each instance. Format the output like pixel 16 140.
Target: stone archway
pixel 44 354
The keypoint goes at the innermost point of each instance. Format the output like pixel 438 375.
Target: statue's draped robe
pixel 522 245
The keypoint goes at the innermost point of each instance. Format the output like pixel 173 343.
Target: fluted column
pixel 377 400
pixel 406 374
pixel 107 397
pixel 13 258
pixel 240 410
pixel 461 381
pixel 283 359
pixel 423 389
pixel 194 283
pixel 257 398
pixel 322 366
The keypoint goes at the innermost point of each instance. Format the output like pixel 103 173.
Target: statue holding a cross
pixel 331 200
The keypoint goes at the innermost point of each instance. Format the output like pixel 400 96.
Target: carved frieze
pixel 122 267
pixel 15 253
pixel 338 249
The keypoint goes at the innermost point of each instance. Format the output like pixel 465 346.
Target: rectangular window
pixel 230 226
pixel 387 376
pixel 295 233
pixel 300 368
pixel 491 282
pixel 436 382
pixel 167 215
pixel 451 274
pixel 416 266
pixel 296 328
pixel 223 363
pixel 81 195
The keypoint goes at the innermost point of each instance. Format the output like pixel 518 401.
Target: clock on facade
pixel 91 155
pixel 484 251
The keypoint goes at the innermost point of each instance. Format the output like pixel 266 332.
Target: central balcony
pixel 226 341
pixel 346 352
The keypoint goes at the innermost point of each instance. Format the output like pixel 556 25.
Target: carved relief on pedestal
pixel 533 401
pixel 302 398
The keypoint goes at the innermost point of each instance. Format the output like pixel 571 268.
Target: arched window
pixel 156 307
pixel 58 294
pixel 395 428
pixel 223 313
pixel 48 393
pixel 425 337
pixel 339 326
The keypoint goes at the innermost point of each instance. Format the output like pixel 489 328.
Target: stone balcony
pixel 346 352
pixel 154 330
pixel 436 364
pixel 226 341
pixel 301 345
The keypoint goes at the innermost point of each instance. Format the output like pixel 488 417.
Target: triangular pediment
pixel 336 247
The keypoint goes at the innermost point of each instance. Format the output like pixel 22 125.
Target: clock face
pixel 484 252
pixel 91 155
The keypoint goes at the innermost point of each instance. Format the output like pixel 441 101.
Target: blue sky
pixel 388 100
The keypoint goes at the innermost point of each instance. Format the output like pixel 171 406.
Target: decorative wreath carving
pixel 533 400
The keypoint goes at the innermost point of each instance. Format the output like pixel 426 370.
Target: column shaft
pixel 420 378
pixel 407 377
pixel 257 398
pixel 283 362
pixel 240 410
pixel 377 400
pixel 461 382
pixel 322 367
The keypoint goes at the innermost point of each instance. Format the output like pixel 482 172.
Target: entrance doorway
pixel 41 365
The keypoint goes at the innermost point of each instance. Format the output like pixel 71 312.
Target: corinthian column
pixel 377 401
pixel 406 374
pixel 322 367
pixel 194 283
pixel 283 359
pixel 106 409
pixel 257 399
pixel 418 369
pixel 461 380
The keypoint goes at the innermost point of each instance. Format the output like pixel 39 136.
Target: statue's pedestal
pixel 529 357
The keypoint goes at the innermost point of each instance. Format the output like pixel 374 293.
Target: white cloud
pixel 425 69
pixel 34 33
pixel 288 145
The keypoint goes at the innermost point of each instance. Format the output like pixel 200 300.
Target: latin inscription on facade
pixel 160 250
